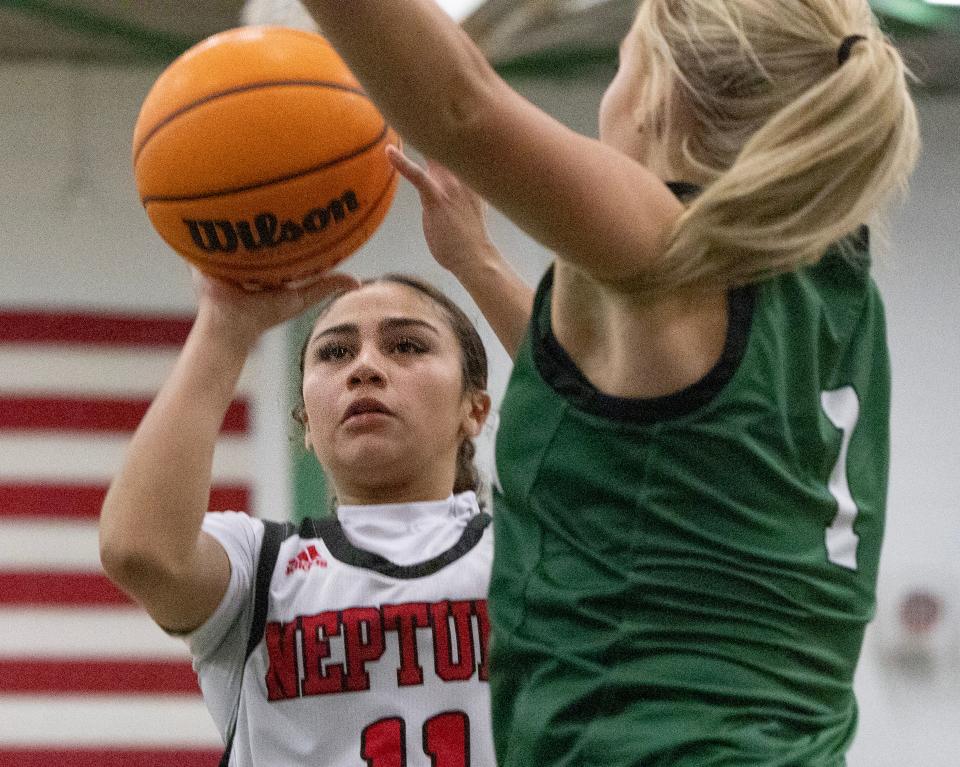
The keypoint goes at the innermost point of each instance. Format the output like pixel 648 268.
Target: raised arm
pixel 589 203
pixel 150 539
pixel 454 224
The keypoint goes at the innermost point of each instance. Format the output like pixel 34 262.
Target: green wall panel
pixel 310 487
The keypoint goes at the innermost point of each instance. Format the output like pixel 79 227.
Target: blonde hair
pixel 796 148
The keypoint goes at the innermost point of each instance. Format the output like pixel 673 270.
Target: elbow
pixel 130 565
pixel 125 566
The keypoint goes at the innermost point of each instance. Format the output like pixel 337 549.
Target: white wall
pixel 72 233
pixel 910 715
pixel 72 230
pixel 920 278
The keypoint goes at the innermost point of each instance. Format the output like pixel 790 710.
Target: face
pixel 383 394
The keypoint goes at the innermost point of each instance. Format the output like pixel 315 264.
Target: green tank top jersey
pixel 686 580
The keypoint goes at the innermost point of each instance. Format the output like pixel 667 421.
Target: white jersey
pixel 365 661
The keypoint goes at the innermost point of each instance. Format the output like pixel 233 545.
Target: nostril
pixel 365 374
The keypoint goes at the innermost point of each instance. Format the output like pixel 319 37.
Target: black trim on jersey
pixel 683 190
pixel 274 533
pixel 561 373
pixel 330 530
pixel 861 239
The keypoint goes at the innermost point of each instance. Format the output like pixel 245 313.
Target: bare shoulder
pixel 627 347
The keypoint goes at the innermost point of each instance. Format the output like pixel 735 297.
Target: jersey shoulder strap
pixel 274 533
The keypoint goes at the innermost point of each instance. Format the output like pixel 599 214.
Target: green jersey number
pixel 842 407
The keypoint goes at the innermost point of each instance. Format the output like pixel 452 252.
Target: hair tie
pixel 843 53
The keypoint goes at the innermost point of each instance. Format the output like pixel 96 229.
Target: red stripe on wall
pixel 228 498
pixel 66 675
pixel 93 329
pixel 102 414
pixel 54 589
pixel 80 757
pixel 84 501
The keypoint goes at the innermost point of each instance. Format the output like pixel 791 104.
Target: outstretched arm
pixel 590 204
pixel 150 539
pixel 454 224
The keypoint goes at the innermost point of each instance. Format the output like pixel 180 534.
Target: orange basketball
pixel 259 158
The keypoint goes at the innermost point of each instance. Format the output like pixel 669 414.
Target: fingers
pixel 447 184
pixel 410 170
pixel 327 283
pixel 441 174
pixel 433 182
pixel 217 287
pixel 338 281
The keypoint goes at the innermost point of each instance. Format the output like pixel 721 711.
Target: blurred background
pixel 93 307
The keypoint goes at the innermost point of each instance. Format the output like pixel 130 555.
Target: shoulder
pixel 833 295
pixel 549 362
pixel 241 537
pixel 824 326
pixel 234 530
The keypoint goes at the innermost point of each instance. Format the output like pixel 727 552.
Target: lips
pixel 365 405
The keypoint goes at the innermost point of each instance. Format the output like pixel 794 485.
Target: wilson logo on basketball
pixel 266 230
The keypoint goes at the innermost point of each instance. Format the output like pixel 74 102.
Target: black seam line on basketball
pixel 279 180
pixel 242 89
pixel 293 259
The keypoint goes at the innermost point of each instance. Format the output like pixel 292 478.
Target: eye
pixel 332 351
pixel 408 345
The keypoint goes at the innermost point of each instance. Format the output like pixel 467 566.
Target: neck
pixel 667 162
pixel 357 494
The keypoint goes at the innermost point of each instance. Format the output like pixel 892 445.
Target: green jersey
pixel 686 580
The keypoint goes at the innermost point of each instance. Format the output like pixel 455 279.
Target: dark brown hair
pixel 473 361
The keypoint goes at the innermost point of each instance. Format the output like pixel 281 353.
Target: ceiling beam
pixel 144 43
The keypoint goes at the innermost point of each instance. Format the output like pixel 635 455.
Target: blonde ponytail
pixel 797 149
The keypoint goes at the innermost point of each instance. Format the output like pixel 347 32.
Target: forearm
pixel 505 300
pixel 153 511
pixel 414 60
pixel 585 201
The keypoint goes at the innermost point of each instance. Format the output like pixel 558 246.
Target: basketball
pixel 259 158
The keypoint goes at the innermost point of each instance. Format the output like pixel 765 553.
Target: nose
pixel 366 371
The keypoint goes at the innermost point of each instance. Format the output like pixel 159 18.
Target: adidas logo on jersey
pixel 307 557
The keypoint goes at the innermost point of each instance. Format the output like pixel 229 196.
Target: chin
pixel 372 464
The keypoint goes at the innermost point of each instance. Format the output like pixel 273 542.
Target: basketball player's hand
pixel 243 315
pixel 454 216
pixel 455 227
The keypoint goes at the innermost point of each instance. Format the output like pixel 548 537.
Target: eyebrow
pixel 390 323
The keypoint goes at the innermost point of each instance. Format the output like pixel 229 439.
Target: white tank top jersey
pixel 375 647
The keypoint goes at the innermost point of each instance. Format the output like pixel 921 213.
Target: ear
pixel 478 409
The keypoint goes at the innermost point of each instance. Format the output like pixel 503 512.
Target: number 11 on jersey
pixel 446 740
